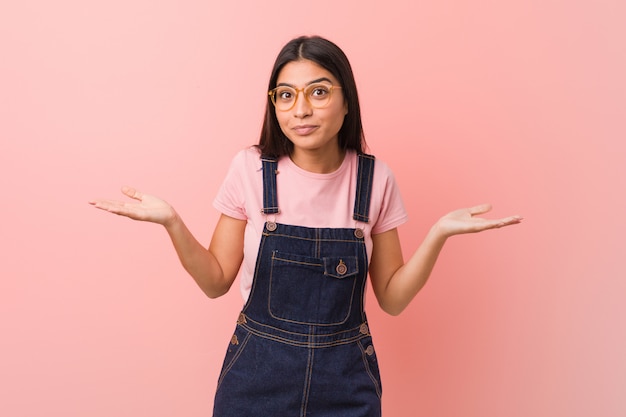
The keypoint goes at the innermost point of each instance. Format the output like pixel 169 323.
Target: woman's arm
pixel 396 283
pixel 214 269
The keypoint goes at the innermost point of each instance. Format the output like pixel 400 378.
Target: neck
pixel 318 162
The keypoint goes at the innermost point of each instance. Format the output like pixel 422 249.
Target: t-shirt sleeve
pixel 230 197
pixel 392 211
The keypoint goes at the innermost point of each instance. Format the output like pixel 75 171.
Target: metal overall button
pixel 234 340
pixel 369 350
pixel 241 319
pixel 364 329
pixel 359 233
pixel 341 268
pixel 271 226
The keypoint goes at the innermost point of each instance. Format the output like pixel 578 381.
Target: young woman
pixel 306 216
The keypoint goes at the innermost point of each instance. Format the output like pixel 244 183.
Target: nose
pixel 302 108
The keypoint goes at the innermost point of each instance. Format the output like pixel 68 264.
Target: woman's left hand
pixel 465 221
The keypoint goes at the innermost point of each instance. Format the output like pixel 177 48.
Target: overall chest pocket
pixel 312 290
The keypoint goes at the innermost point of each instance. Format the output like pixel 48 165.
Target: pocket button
pixel 341 268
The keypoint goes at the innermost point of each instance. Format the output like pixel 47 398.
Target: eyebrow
pixel 309 83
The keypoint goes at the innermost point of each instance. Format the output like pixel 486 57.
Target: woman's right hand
pixel 145 207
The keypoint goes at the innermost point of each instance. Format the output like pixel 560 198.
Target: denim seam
pixel 357 202
pixel 317 240
pixel 308 376
pixel 361 203
pixel 368 369
pixel 285 257
pixel 234 359
pixel 270 202
pixel 309 344
pixel 296 334
pixel 296 262
pixel 363 285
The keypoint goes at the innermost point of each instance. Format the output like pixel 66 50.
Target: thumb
pixel 480 209
pixel 132 193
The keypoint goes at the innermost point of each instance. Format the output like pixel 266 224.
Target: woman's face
pixel 307 127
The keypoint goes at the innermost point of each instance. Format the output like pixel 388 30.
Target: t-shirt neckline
pixel 344 165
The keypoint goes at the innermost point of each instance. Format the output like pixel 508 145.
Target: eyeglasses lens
pixel 317 95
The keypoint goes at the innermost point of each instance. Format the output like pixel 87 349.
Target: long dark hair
pixel 329 56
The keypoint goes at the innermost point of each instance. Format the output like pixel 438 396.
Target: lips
pixel 304 130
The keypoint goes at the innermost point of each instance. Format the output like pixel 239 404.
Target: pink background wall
pixel 517 103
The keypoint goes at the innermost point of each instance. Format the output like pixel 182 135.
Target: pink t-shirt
pixel 305 199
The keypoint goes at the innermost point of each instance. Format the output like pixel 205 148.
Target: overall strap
pixel 365 176
pixel 270 198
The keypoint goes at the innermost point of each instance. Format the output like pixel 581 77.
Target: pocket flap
pixel 340 266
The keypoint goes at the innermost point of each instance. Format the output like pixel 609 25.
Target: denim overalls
pixel 302 346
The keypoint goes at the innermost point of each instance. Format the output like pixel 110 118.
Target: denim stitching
pixel 336 334
pixel 317 240
pixel 315 342
pixel 312 345
pixel 368 369
pixel 309 374
pixel 270 202
pixel 228 367
pixel 364 284
pixel 269 298
pixel 292 334
pixel 368 188
pixel 364 178
pixel 357 202
pixel 329 262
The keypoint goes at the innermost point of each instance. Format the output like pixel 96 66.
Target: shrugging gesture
pixel 308 297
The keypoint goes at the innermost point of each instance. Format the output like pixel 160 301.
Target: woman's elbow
pixel 393 309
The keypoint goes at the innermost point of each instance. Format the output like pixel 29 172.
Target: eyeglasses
pixel 317 95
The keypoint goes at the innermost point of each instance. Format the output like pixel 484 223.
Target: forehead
pixel 303 71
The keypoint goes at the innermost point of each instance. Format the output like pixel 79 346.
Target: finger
pixel 510 220
pixel 132 193
pixel 98 203
pixel 507 221
pixel 120 209
pixel 107 205
pixel 480 209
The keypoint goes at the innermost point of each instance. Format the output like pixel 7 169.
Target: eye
pixel 319 91
pixel 284 94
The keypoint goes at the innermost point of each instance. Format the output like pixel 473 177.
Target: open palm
pixel 465 221
pixel 145 207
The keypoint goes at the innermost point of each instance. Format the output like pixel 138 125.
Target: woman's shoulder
pixel 250 152
pixel 382 171
pixel 247 157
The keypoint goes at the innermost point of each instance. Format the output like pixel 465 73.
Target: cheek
pixel 283 124
pixel 340 117
pixel 282 120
